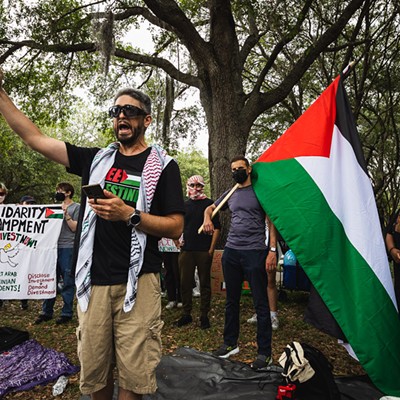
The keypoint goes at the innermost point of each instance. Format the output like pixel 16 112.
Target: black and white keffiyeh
pixel 102 162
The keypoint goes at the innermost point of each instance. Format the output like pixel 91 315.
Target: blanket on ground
pixel 29 364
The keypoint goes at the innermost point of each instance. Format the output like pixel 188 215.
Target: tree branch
pixel 135 11
pixel 253 38
pixel 258 102
pixel 51 48
pixel 222 31
pixel 9 52
pixel 250 42
pixel 165 65
pixel 168 67
pixel 169 12
pixel 283 42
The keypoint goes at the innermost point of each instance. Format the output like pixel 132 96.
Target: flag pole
pixel 349 68
pixel 220 205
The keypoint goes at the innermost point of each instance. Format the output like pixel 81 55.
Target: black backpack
pixel 311 372
pixel 10 337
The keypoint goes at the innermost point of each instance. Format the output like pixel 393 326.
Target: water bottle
pixel 60 385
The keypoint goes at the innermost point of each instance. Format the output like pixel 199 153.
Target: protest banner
pixel 167 245
pixel 28 250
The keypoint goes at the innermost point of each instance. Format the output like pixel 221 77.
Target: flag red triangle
pixel 124 176
pixel 308 135
pixel 49 212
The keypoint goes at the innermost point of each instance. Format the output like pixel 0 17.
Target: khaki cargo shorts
pixel 108 337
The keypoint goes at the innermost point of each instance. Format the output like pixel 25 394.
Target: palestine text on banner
pixel 28 250
pixel 312 182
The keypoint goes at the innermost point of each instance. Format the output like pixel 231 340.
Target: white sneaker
pixel 179 305
pixel 196 292
pixel 253 319
pixel 274 322
pixel 170 305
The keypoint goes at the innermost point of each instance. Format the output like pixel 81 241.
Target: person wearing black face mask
pixel 64 193
pixel 246 257
pixel 59 196
pixel 240 175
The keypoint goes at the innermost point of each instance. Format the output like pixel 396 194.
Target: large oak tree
pixel 244 57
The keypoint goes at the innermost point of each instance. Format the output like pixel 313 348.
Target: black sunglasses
pixel 2 193
pixel 128 110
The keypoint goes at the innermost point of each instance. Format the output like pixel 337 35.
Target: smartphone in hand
pixel 93 191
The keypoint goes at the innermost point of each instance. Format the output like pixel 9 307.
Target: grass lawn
pixel 62 338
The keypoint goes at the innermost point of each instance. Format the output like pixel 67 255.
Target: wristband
pixel 392 249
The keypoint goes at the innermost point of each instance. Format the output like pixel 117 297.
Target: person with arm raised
pixel 116 253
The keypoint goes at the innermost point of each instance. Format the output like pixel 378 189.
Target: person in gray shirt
pixel 64 192
pixel 246 257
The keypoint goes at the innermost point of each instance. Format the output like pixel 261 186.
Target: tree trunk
pixel 169 106
pixel 227 136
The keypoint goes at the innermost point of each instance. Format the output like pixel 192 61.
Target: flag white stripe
pixel 349 193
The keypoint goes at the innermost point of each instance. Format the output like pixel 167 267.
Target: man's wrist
pixel 272 249
pixel 127 214
pixel 392 249
pixel 135 218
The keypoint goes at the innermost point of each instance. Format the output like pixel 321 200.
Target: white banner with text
pixel 28 250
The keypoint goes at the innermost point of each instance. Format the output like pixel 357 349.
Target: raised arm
pixel 53 149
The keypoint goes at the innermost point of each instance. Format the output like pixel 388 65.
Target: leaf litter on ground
pixel 291 327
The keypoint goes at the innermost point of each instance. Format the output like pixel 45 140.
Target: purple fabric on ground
pixel 29 364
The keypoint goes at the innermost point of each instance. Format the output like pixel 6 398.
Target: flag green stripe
pixel 337 270
pixel 129 182
pixel 55 216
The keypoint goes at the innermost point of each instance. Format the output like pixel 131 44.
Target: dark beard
pixel 131 140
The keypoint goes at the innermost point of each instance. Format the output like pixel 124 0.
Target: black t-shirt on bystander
pixel 194 216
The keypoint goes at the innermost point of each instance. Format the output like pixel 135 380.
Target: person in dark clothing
pixel 393 247
pixel 169 250
pixel 196 251
pixel 246 255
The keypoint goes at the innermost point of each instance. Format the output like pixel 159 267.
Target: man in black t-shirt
pixel 118 264
pixel 196 251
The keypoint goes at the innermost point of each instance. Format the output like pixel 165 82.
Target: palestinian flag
pixel 130 180
pixel 313 184
pixel 55 212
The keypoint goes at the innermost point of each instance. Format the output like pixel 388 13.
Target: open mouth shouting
pixel 126 133
pixel 124 127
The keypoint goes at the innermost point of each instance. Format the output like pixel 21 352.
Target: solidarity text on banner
pixel 28 250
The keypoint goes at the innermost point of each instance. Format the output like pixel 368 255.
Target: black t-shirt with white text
pixel 112 239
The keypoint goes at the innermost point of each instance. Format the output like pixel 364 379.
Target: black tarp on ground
pixel 189 374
